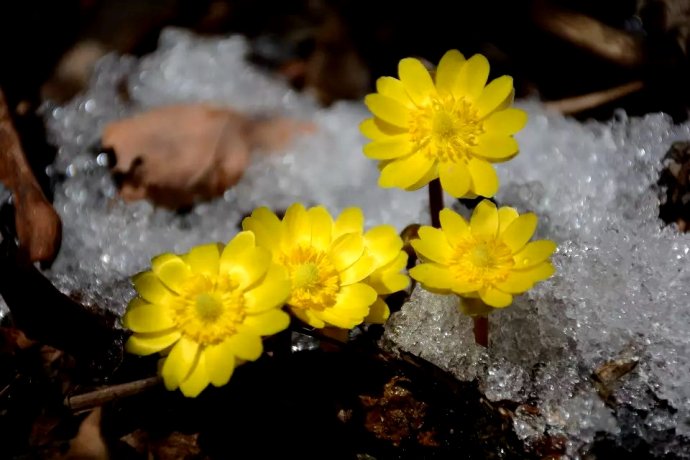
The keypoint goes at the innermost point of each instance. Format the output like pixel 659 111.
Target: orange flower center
pixel 447 129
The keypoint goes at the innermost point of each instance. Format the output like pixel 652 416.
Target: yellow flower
pixel 387 279
pixel 452 126
pixel 209 308
pixel 336 270
pixel 491 257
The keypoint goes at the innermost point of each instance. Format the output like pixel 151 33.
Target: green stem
pixel 435 202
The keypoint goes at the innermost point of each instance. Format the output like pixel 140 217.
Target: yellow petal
pixel 377 130
pixel 150 287
pixel 267 323
pixel 205 259
pixel 308 317
pixel 351 220
pixel 321 227
pixel 496 147
pixel 245 346
pixel 520 281
pixel 484 220
pixel 454 225
pixel 416 80
pixel 520 231
pixel 346 250
pixel 388 279
pixel 142 316
pixel 179 363
pixel 506 215
pixel 517 282
pixel 378 312
pixel 534 253
pixel 358 271
pixel 508 121
pixel 369 130
pixel 455 179
pixel 387 109
pixel 494 95
pixel 271 293
pixel 146 344
pixel 383 243
pixel 296 226
pixel 171 270
pixel 405 172
pixel 448 70
pixel 220 363
pixel 242 242
pixel 197 380
pixel 266 227
pixel 464 287
pixel 484 177
pixel 426 178
pixel 389 283
pixel 393 88
pixel 351 307
pixel 249 267
pixel 508 102
pixel 472 78
pixel 433 276
pixel 540 272
pixel 391 147
pixel 432 245
pixel 495 298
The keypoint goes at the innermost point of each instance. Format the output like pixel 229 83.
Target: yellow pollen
pixel 446 129
pixel 208 310
pixel 315 280
pixel 481 260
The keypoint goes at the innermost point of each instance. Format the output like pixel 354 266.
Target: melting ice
pixel 621 289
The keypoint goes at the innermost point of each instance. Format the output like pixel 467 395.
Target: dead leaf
pixel 180 154
pixel 88 443
pixel 39 228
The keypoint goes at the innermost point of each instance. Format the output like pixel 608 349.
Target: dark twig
pixel 104 395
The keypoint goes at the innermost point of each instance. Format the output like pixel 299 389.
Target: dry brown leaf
pixel 181 154
pixel 39 228
pixel 88 444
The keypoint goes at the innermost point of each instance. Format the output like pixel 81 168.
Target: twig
pixel 101 396
pixel 588 101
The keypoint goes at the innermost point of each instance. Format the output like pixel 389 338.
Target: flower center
pixel 208 307
pixel 315 280
pixel 207 310
pixel 482 260
pixel 447 128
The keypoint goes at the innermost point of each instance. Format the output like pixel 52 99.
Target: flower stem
pixel 481 330
pixel 435 202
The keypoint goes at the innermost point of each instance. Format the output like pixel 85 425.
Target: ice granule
pixel 621 288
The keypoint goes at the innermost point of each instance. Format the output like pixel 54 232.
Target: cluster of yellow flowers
pixel 209 309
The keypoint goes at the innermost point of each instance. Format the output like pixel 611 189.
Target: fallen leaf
pixel 89 442
pixel 178 155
